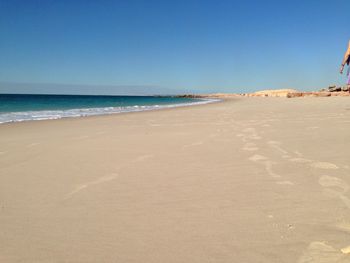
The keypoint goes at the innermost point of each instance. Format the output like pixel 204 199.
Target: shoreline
pixel 210 98
pixel 123 110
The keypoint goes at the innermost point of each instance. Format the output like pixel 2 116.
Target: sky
pixel 196 46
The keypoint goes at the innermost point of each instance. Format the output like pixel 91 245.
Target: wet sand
pixel 245 180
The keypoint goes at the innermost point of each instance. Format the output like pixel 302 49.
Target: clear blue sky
pixel 223 46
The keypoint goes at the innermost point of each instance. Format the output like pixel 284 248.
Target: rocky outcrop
pixel 335 88
pixel 345 88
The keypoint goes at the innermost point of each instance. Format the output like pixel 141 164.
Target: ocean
pixel 23 107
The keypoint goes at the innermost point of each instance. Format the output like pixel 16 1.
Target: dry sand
pixel 275 92
pixel 245 180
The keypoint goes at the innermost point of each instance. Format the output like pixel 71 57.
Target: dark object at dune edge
pixel 335 88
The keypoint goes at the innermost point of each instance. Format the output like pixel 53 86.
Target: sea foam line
pixel 71 113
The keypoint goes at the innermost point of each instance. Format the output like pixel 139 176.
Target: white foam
pixel 58 114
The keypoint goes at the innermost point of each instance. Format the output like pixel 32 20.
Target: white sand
pixel 248 180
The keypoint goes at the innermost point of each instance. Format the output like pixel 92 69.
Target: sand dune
pixel 275 92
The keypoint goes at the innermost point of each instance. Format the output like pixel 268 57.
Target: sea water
pixel 15 107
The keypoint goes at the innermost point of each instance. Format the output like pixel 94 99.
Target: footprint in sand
pixel 250 147
pixel 320 252
pixel 300 160
pixel 324 165
pixel 268 164
pixel 313 164
pixel 331 181
pixel 277 146
pixel 257 158
pixel 250 133
pixel 268 168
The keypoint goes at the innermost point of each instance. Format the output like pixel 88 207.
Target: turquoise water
pixel 15 107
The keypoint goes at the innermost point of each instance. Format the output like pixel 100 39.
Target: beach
pixel 243 180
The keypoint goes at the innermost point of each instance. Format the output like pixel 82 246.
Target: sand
pixel 245 180
pixel 275 92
